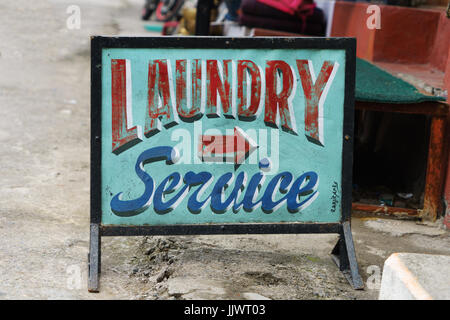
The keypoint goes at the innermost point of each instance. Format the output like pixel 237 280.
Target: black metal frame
pixel 203 17
pixel 343 253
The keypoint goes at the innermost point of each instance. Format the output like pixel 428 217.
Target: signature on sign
pixel 334 196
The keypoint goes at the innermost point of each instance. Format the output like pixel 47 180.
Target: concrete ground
pixel 44 182
pixel 416 276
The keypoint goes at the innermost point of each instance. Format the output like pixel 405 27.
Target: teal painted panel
pixel 266 152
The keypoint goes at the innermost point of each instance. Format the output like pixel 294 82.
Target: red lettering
pixel 248 111
pixel 279 101
pixel 189 111
pixel 218 86
pixel 159 98
pixel 124 135
pixel 315 92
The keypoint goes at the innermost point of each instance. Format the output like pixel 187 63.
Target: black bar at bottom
pixel 289 228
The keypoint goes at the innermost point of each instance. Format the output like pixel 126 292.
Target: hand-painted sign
pixel 209 131
pixel 221 135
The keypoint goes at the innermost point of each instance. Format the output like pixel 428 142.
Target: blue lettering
pixel 129 208
pixel 297 195
pixel 217 205
pixel 298 190
pixel 283 180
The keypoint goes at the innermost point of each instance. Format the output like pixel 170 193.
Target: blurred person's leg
pixel 233 7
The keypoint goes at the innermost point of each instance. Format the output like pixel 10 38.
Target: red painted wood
pixel 436 169
pixel 440 52
pixel 384 209
pixel 349 20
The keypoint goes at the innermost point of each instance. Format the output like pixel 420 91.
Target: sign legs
pixel 94 257
pixel 344 256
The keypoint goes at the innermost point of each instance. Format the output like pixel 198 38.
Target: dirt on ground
pixel 44 181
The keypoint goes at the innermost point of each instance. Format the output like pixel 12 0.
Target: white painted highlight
pixel 173 107
pixel 322 99
pixel 129 95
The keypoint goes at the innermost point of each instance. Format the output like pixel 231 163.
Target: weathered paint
pixel 219 91
pixel 159 97
pixel 385 210
pixel 246 91
pixel 316 91
pixel 434 184
pixel 436 161
pixel 277 100
pixel 124 135
pixel 188 109
pixel 248 160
